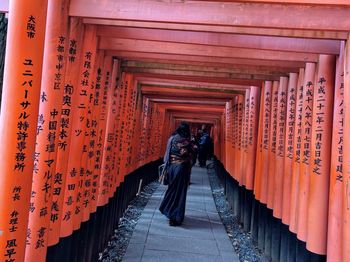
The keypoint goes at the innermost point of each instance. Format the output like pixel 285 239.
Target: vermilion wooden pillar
pixel 266 140
pixel 272 145
pixel 228 137
pixel 320 155
pixel 91 136
pixel 280 145
pixel 51 95
pixel 18 121
pixel 109 137
pixel 238 154
pixel 108 87
pixel 234 136
pixel 259 149
pixel 245 136
pixel 297 140
pixel 69 101
pixel 306 131
pixel 291 119
pixel 334 239
pixel 254 105
pixel 145 112
pixel 75 169
pixel 346 159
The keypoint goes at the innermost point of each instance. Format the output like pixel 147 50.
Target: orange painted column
pixel 234 135
pixel 297 141
pixel 75 169
pixel 273 145
pixel 114 171
pixel 291 119
pixel 228 108
pixel 109 137
pixel 134 130
pixel 92 135
pixel 82 204
pixel 266 140
pixel 148 132
pixel 124 127
pixel 18 121
pixel 88 90
pixel 346 159
pixel 238 155
pixel 306 131
pixel 47 130
pixel 259 148
pixel 254 103
pixel 245 134
pixel 334 231
pixel 106 92
pixel 280 147
pixel 69 101
pixel 145 112
pixel 321 155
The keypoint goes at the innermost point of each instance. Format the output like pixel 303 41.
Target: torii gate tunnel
pixel 93 89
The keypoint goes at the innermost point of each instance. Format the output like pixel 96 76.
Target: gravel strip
pixel 241 241
pixel 119 242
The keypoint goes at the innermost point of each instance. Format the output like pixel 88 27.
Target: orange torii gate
pixel 92 91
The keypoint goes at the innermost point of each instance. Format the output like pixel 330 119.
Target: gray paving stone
pixel 229 257
pixel 171 256
pixel 134 253
pixel 225 245
pixel 201 237
pixel 182 244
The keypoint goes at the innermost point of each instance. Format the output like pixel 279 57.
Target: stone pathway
pixel 202 237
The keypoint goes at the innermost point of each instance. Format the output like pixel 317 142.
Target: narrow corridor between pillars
pixel 201 237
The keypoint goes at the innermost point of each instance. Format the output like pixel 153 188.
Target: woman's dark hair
pixel 184 130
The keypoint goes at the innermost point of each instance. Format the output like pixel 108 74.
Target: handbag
pixel 163 168
pixel 163 174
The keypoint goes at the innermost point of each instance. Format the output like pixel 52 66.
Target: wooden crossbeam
pixel 128 55
pixel 248 30
pixel 195 86
pixel 225 75
pixel 303 45
pixel 203 68
pixel 201 50
pixel 264 15
pixel 201 79
pixel 170 92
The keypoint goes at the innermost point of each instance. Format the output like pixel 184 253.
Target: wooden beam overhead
pixel 249 30
pixel 194 119
pixel 190 102
pixel 156 91
pixel 303 45
pixel 246 76
pixel 306 2
pixel 195 108
pixel 199 85
pixel 203 68
pixel 314 17
pixel 165 97
pixel 128 55
pixel 202 50
pixel 214 66
pixel 202 79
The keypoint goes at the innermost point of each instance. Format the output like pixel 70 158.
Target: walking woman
pixel 179 152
